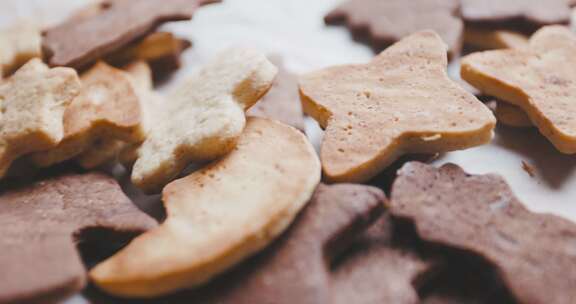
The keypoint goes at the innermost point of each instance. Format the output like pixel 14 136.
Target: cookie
pixel 378 270
pixel 480 214
pixel 538 79
pixel 33 103
pixel 101 152
pixel 108 107
pixel 204 116
pixel 488 39
pixel 42 224
pixel 18 44
pixel 231 209
pixel 107 149
pixel 401 102
pixel 511 115
pixel 385 22
pixel 282 102
pixel 523 15
pixel 78 42
pixel 161 49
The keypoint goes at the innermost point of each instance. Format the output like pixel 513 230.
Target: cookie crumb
pixel 529 169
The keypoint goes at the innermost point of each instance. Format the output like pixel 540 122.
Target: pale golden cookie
pixel 32 105
pixel 108 149
pixel 108 107
pixel 401 102
pixel 540 79
pixel 220 215
pixel 487 39
pixel 18 44
pixel 152 47
pixel 203 117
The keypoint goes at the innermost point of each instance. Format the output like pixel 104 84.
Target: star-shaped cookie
pixel 42 224
pixel 384 22
pixel 401 102
pixel 540 79
pixel 32 105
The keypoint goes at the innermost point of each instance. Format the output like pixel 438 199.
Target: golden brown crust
pixel 231 209
pixel 539 79
pixel 401 102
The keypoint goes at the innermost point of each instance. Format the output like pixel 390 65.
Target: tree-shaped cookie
pixel 385 22
pixel 539 79
pixel 32 104
pixel 534 253
pixel 203 117
pixel 42 224
pixel 108 107
pixel 400 102
pixel 219 215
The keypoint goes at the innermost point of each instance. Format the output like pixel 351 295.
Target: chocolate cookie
pixel 82 40
pixel 378 270
pixel 42 224
pixel 384 22
pixel 522 15
pixel 479 214
pixel 282 102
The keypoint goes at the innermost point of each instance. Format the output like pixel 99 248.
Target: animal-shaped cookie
pixel 523 15
pixel 203 117
pixel 480 215
pixel 281 102
pixel 400 102
pixel 102 30
pixel 43 223
pixel 385 22
pixel 18 44
pixel 32 104
pixel 538 79
pixel 108 107
pixel 219 215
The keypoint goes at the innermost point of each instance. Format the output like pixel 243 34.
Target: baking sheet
pixel 295 29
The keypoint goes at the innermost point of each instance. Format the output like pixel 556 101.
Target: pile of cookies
pixel 252 213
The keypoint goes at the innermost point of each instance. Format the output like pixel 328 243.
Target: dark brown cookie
pixel 378 270
pixel 282 102
pixel 534 253
pixel 82 40
pixel 384 22
pixel 522 15
pixel 42 224
pixel 296 268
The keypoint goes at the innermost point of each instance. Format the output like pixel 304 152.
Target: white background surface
pixel 296 30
